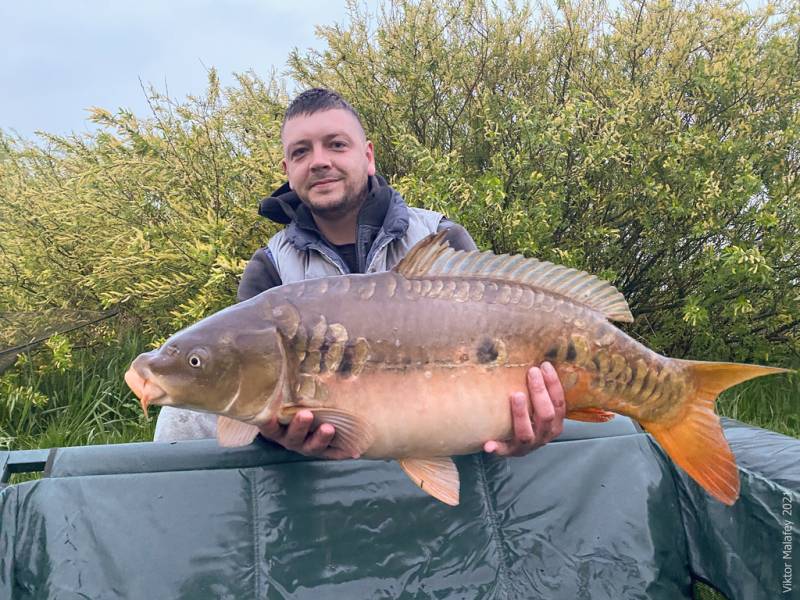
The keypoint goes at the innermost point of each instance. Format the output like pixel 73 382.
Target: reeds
pixel 87 403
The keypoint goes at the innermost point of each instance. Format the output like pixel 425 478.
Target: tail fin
pixel 696 442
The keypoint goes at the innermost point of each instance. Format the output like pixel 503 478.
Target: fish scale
pixel 418 363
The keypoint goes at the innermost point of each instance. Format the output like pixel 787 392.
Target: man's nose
pixel 320 159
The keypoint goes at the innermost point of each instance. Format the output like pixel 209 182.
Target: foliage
pixel 656 144
pixel 153 216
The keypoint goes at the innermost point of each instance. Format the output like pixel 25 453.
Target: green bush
pixel 656 145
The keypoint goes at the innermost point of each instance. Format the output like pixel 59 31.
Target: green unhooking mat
pixel 600 517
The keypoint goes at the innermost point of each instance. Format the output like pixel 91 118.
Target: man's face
pixel 327 160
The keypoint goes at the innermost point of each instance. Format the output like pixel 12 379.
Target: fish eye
pixel 195 361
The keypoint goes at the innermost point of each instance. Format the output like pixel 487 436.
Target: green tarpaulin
pixel 600 513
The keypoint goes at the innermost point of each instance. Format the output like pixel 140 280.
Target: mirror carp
pixel 417 364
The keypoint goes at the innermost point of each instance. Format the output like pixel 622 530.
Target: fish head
pixel 218 366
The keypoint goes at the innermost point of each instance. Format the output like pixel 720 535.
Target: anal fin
pixel 590 415
pixel 232 433
pixel 436 476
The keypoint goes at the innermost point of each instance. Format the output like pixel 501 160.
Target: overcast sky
pixel 60 57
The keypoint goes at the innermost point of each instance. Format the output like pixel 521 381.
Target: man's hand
pixel 298 437
pixel 549 408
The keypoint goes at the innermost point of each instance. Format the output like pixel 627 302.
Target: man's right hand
pixel 298 436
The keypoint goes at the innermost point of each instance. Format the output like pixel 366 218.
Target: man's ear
pixel 370 159
pixel 283 168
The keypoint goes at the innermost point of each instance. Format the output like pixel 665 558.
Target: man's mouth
pixel 323 182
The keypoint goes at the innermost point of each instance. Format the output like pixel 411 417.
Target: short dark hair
pixel 316 100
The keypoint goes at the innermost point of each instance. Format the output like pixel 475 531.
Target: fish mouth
pixel 145 389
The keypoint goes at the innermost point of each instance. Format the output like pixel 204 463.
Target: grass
pixel 88 403
pixel 703 592
pixel 770 402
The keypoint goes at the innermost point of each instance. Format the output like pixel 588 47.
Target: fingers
pixel 298 436
pixel 499 448
pixel 319 440
pixel 556 393
pixel 271 429
pixel 297 431
pixel 521 419
pixel 549 407
pixel 544 411
pixel 524 439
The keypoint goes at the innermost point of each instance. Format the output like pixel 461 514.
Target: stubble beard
pixel 349 203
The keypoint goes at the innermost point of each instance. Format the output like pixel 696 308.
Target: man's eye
pixel 338 145
pixel 298 153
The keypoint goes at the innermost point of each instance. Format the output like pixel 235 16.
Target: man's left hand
pixel 549 408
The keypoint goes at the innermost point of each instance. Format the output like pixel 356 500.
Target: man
pixel 342 218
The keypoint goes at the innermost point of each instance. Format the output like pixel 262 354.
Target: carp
pixel 417 364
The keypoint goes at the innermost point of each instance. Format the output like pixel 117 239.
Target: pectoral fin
pixel 353 434
pixel 590 415
pixel 436 476
pixel 232 433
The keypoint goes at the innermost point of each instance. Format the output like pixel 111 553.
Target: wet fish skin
pixel 418 363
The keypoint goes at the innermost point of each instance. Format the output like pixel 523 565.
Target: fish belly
pixel 428 413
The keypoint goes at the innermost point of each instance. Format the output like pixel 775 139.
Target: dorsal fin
pixel 433 257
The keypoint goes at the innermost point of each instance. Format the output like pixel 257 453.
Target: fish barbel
pixel 417 364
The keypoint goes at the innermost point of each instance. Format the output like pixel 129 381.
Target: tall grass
pixel 770 402
pixel 88 403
